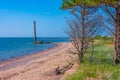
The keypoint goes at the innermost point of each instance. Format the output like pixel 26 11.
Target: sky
pixel 16 18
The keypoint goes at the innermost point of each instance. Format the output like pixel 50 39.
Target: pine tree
pixel 67 4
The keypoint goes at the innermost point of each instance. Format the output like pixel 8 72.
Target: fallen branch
pixel 59 70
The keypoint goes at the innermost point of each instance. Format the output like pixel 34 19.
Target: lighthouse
pixel 34 24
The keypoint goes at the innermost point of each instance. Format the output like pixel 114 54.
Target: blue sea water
pixel 16 47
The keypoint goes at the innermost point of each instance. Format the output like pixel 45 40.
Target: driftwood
pixel 61 70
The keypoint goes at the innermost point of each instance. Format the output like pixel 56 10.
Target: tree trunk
pixel 83 32
pixel 117 37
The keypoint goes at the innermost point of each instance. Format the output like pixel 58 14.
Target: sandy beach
pixel 38 66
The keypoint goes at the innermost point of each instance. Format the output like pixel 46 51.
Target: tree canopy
pixel 90 3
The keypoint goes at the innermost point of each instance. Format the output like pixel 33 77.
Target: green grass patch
pixel 96 72
pixel 97 65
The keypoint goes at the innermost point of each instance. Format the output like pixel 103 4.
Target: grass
pixel 98 65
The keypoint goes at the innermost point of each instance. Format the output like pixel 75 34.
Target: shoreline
pixel 27 58
pixel 11 59
pixel 40 66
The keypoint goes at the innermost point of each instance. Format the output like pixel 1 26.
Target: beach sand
pixel 39 66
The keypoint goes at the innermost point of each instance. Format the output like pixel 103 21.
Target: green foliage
pixel 101 54
pixel 72 3
pixel 104 39
pixel 90 3
pixel 98 65
pixel 96 71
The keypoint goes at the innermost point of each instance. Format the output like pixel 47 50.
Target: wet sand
pixel 38 66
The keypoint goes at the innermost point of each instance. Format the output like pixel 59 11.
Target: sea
pixel 13 47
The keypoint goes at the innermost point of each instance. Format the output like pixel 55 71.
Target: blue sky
pixel 16 18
